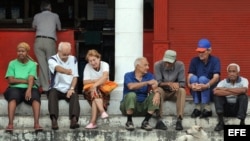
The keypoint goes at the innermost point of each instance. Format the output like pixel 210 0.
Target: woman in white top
pixel 97 73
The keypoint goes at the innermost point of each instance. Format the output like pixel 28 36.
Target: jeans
pixel 204 96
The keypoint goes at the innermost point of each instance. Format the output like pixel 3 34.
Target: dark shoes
pixel 195 113
pixel 160 125
pixel 242 122
pixel 73 123
pixel 145 125
pixel 205 113
pixel 219 126
pixel 178 125
pixel 129 126
pixel 54 124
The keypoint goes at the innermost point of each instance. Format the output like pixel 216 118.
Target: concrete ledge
pixel 114 121
pixel 111 129
pixel 103 134
pixel 113 108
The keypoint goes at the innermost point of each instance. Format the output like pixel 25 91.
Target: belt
pixel 39 36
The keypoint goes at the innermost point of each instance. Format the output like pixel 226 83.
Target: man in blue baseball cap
pixel 203 76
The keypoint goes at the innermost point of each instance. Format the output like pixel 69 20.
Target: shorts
pixel 19 95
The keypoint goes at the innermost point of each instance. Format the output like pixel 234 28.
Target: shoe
pixel 160 125
pixel 104 115
pixel 195 113
pixel 91 126
pixel 54 124
pixel 242 122
pixel 178 125
pixel 205 113
pixel 156 114
pixel 38 128
pixel 219 126
pixel 74 124
pixel 145 125
pixel 129 126
pixel 9 128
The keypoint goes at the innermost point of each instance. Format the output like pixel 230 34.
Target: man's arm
pixel 229 91
pixel 214 80
pixel 137 85
pixel 63 70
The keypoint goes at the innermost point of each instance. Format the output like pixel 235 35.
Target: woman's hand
pixel 28 94
pixel 93 93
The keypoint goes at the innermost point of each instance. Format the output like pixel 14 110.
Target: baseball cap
pixel 203 45
pixel 169 56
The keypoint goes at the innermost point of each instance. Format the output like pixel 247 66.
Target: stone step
pixel 111 129
pixel 114 121
pixel 101 134
pixel 113 108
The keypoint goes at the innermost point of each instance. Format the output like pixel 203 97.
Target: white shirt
pixel 90 73
pixel 60 81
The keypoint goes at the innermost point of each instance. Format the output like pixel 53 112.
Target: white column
pixel 128 36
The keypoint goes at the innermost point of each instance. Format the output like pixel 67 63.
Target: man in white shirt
pixel 64 73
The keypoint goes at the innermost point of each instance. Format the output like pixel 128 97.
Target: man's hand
pixel 196 87
pixel 157 99
pixel 70 92
pixel 68 71
pixel 153 83
pixel 174 86
pixel 199 87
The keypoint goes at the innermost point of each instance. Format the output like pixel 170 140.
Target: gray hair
pixel 63 45
pixel 234 64
pixel 138 61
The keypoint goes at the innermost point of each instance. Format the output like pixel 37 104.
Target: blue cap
pixel 203 44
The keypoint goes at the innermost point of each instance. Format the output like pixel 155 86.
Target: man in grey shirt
pixel 170 75
pixel 46 23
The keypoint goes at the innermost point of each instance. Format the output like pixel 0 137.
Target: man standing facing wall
pixel 45 23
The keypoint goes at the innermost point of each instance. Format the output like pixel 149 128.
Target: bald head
pixel 63 46
pixel 64 50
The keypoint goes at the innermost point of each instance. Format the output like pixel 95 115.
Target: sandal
pixel 9 128
pixel 38 128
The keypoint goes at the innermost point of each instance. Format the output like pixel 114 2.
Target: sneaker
pixel 104 115
pixel 91 126
pixel 178 125
pixel 129 126
pixel 145 125
pixel 160 125
pixel 219 126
